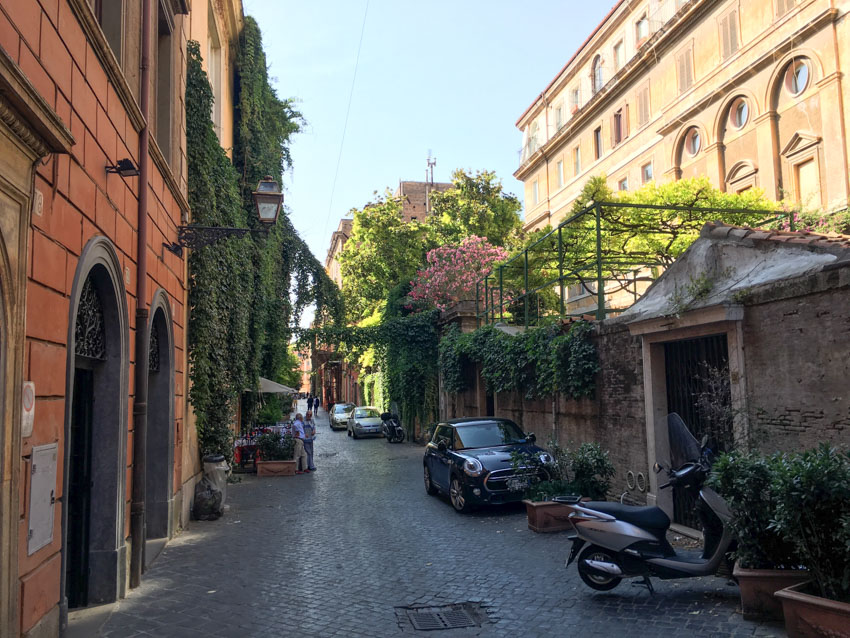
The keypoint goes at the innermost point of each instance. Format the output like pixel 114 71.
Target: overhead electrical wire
pixel 347 112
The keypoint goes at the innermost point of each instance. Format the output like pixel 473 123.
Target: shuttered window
pixel 783 7
pixel 684 64
pixel 620 125
pixel 597 142
pixel 643 105
pixel 729 34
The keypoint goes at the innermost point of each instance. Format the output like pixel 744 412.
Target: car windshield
pixel 366 413
pixel 488 434
pixel 342 408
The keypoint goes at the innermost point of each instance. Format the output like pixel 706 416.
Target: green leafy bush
pixel 813 513
pixel 585 471
pixel 746 481
pixel 272 446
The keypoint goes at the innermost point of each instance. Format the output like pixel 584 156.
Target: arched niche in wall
pixel 93 548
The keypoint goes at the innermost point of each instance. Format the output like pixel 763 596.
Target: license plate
pixel 516 484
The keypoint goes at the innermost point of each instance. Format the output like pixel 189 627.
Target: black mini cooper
pixel 470 460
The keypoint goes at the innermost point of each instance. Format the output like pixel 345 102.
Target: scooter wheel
pixel 592 579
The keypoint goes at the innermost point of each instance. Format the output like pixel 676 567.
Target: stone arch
pixel 722 116
pixel 678 147
pixel 96 426
pixel 159 455
pixel 774 85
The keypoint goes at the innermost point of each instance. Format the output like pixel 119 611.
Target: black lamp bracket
pixel 195 237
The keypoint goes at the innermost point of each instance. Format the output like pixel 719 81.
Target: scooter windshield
pixel 684 448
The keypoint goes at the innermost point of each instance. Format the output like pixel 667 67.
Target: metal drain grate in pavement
pixel 453 618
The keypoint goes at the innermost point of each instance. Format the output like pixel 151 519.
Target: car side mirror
pixel 442 446
pixel 531 438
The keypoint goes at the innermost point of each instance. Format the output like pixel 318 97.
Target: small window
pixel 729 34
pixel 597 142
pixel 807 183
pixel 739 113
pixel 576 160
pixel 575 100
pixel 693 142
pixel 685 69
pixel 797 77
pixel 643 105
pixel 641 30
pixel 535 193
pixel 619 125
pixel 596 74
pixel 783 7
pixel 623 184
pixel 164 79
pixel 559 116
pixel 560 173
pixel 110 17
pixel 646 173
pixel 619 56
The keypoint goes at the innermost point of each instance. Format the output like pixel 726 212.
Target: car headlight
pixel 357 424
pixel 473 467
pixel 545 458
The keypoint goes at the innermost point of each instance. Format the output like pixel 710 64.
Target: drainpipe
pixel 140 407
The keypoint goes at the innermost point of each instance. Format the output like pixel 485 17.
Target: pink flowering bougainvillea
pixel 451 272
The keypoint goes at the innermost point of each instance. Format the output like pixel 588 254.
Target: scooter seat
pixel 649 517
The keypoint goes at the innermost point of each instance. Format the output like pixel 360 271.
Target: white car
pixel 365 420
pixel 340 414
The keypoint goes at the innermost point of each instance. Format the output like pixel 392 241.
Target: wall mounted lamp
pixel 124 167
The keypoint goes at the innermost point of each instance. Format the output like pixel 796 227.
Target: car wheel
pixel 430 489
pixel 457 496
pixel 594 580
pixel 354 434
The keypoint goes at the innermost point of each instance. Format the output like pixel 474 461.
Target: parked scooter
pixel 625 541
pixel 391 428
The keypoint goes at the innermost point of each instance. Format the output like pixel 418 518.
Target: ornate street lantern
pixel 267 200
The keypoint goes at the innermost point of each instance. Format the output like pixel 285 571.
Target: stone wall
pixel 797 354
pixel 614 418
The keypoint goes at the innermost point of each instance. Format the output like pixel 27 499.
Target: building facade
pixel 96 461
pixel 749 94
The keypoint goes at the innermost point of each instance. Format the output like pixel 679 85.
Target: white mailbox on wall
pixel 42 496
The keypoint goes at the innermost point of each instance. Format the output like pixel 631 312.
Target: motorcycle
pixel 614 541
pixel 391 428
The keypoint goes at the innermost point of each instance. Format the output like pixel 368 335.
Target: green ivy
pixel 539 361
pixel 245 295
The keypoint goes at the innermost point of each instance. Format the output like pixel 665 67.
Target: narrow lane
pixel 336 552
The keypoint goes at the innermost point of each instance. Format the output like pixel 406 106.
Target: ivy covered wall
pixel 245 294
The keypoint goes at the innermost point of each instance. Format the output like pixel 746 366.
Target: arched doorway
pixel 95 431
pixel 159 456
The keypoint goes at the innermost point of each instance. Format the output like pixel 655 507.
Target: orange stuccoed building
pixel 97 467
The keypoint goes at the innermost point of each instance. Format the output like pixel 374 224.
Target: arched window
pixel 596 74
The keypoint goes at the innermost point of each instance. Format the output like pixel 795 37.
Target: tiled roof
pixel 831 242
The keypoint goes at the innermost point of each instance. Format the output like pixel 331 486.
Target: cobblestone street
pixel 342 551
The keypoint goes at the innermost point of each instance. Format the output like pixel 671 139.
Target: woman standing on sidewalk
pixel 309 437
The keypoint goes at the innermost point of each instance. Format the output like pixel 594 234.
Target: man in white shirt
pixel 300 456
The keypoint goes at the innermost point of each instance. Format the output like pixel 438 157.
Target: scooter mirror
pixel 657 467
pixel 704 440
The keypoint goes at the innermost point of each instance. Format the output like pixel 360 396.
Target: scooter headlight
pixel 473 467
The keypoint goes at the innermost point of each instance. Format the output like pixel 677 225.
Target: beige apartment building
pixel 747 92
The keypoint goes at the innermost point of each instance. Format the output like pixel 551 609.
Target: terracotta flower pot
pixel 548 516
pixel 810 616
pixel 758 586
pixel 275 468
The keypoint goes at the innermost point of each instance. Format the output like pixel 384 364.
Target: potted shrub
pixel 591 472
pixel 813 512
pixel 765 562
pixel 274 454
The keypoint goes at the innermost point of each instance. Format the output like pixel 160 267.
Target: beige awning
pixel 270 387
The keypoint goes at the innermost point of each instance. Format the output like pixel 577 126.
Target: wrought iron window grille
pixel 89 330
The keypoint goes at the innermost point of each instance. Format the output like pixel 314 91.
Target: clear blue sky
pixel 449 76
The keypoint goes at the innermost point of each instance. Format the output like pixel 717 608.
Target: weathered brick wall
pixel 797 355
pixel 614 418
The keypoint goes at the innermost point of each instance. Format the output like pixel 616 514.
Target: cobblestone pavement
pixel 341 552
